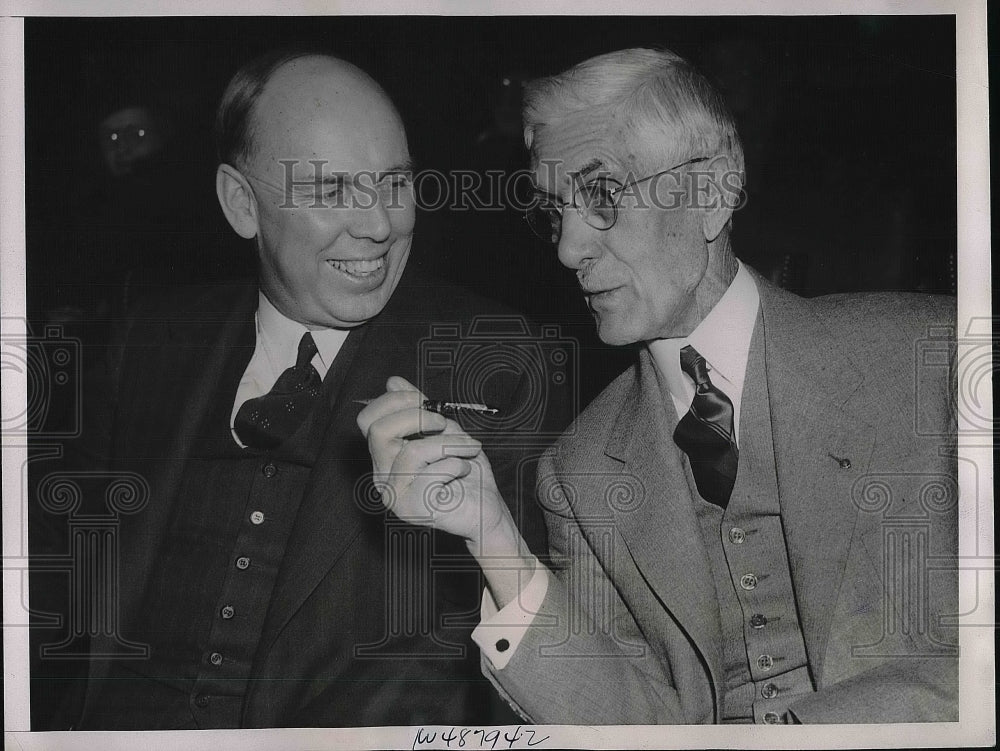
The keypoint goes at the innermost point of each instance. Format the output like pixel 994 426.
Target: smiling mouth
pixel 359 269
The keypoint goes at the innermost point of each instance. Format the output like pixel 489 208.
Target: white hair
pixel 653 89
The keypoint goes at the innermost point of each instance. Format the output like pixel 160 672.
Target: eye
pixel 393 188
pixel 331 189
pixel 400 179
pixel 598 196
pixel 114 136
pixel 393 183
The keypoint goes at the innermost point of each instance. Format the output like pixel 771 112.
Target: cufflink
pixel 502 645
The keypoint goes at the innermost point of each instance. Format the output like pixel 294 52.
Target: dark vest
pixel 367 620
pixel 204 606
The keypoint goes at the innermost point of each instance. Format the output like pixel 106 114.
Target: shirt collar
pixel 722 337
pixel 281 336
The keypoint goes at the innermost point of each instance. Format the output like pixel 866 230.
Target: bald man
pixel 261 582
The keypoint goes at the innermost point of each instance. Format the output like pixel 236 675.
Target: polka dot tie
pixel 266 421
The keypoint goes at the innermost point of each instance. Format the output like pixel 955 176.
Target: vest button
pixel 758 621
pixel 201 700
pixel 765 662
pixel 227 612
pixel 769 691
pixel 748 581
pixel 269 470
pixel 215 658
pixel 772 718
pixel 242 563
pixel 257 517
pixel 737 536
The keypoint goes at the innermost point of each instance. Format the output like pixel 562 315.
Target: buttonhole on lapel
pixel 842 462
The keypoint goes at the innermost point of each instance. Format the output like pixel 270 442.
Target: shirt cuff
pixel 500 631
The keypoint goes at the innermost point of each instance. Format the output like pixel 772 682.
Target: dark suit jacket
pixel 172 360
pixel 862 432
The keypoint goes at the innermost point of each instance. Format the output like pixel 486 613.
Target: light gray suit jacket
pixel 863 437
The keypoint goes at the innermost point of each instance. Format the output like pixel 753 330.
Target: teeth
pixel 359 268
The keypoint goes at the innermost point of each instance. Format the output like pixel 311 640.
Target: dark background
pixel 848 125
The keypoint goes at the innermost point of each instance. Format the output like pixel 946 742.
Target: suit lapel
pixel 329 518
pixel 339 497
pixel 756 481
pixel 822 445
pixel 180 365
pixel 663 535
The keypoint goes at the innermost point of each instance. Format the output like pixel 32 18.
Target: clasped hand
pixel 428 470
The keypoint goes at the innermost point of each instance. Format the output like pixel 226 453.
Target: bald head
pixel 285 84
pixel 308 99
pixel 315 169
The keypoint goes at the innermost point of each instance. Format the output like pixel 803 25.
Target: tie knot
pixel 694 365
pixel 307 350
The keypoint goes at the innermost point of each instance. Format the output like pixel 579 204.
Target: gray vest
pixel 763 652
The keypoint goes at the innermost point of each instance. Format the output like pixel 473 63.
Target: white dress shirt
pixel 723 339
pixel 276 350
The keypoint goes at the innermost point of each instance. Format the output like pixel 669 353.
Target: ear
pixel 720 195
pixel 237 200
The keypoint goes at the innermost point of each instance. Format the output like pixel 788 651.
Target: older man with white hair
pixel 742 526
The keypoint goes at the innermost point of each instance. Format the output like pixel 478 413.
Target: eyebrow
pixel 587 168
pixel 404 166
pixel 339 178
pixel 574 176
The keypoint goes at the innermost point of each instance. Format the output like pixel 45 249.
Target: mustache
pixel 583 279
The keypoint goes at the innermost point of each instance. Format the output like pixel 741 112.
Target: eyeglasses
pixel 596 202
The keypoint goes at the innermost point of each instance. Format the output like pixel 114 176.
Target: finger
pixel 454 467
pixel 423 455
pixel 387 404
pixel 442 472
pixel 388 432
pixel 447 470
pixel 437 490
pixel 453 428
pixel 398 383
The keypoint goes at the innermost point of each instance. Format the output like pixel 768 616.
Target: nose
pixel 371 221
pixel 576 247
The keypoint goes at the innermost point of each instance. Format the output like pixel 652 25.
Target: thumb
pixel 398 383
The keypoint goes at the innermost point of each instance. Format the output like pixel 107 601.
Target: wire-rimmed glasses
pixel 596 201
